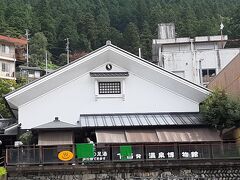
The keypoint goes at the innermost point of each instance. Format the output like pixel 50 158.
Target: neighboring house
pixel 30 73
pixel 8 133
pixel 11 53
pixel 229 78
pixel 196 59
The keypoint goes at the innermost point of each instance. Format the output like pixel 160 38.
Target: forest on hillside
pixel 129 24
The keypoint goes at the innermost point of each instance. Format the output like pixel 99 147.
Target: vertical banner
pixel 127 153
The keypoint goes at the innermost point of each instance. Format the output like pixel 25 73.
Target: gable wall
pixel 78 97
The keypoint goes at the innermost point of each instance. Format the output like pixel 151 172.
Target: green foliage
pixel 220 111
pixel 38 48
pixel 26 138
pixel 3 171
pixel 132 39
pixel 234 24
pixel 88 24
pixel 6 86
pixel 146 41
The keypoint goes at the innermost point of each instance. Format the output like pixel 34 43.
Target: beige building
pixel 11 51
pixel 229 78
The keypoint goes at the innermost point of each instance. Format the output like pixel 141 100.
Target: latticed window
pixel 109 87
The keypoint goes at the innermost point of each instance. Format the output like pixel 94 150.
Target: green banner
pixel 85 150
pixel 125 152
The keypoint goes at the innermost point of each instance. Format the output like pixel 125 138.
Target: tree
pixel 115 36
pixel 18 16
pixel 220 111
pixel 38 47
pixel 87 26
pixel 6 86
pixel 62 60
pixel 235 24
pixel 68 29
pixel 132 39
pixel 146 41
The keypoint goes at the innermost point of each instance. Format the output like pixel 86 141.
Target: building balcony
pixel 7 56
pixel 7 75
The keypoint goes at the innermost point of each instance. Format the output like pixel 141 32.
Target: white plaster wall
pixel 209 59
pixel 180 61
pixel 227 55
pixel 208 45
pixel 189 62
pixel 78 97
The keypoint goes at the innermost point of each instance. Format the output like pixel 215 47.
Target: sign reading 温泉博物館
pixel 65 155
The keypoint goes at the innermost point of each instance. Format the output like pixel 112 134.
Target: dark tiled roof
pixel 12 129
pixel 8 127
pixel 55 125
pixel 4 123
pixel 149 119
pixel 108 74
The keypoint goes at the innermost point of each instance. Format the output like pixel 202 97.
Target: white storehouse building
pixel 196 59
pixel 115 96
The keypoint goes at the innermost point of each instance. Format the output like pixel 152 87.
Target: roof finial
pixel 56 119
pixel 108 42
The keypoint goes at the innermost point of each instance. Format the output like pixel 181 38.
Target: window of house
pixel 7 49
pixel 207 74
pixel 109 87
pixel 3 48
pixel 5 67
pixel 109 83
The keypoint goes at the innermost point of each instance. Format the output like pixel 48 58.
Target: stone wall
pixel 221 173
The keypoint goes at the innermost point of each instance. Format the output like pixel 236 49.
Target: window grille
pixel 109 87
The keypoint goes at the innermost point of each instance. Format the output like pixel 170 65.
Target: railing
pixel 49 155
pixel 8 55
pixel 7 74
pixel 2 161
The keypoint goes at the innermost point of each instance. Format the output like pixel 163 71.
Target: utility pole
pixel 27 56
pixel 67 49
pixel 139 53
pixel 27 37
pixel 200 71
pixel 46 60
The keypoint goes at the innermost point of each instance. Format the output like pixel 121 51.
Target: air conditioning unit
pixel 7 74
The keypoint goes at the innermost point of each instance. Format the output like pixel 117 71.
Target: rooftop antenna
pixel 221 30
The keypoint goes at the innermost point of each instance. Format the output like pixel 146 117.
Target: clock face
pixel 109 67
